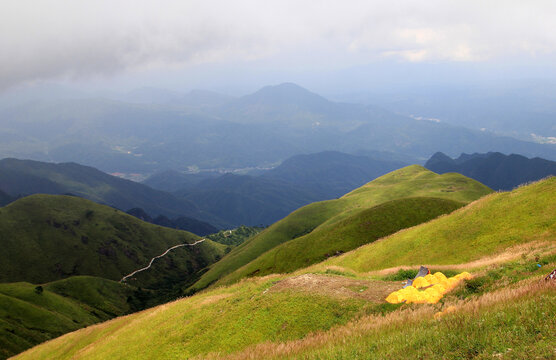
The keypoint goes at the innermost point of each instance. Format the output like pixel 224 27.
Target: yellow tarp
pixel 435 287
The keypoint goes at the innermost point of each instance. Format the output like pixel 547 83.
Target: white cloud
pixel 51 38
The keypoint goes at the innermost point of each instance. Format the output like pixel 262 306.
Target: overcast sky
pixel 214 43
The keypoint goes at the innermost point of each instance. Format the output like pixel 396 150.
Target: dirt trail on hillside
pixel 339 286
pixel 159 256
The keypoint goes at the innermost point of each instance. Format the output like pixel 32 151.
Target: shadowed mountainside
pixel 26 177
pixel 496 170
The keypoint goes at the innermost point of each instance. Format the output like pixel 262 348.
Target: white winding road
pixel 159 256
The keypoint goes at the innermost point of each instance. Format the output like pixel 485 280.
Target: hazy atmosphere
pixel 239 46
pixel 273 179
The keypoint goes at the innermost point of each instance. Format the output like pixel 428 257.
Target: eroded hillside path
pixel 159 256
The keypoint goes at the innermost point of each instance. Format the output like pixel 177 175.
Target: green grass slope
pixel 484 227
pixel 411 181
pixel 228 320
pixel 358 229
pixel 317 314
pixel 30 315
pixel 51 237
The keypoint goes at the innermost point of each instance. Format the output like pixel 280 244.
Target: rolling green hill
pixel 31 314
pixel 51 237
pixel 411 181
pixel 358 229
pixel 321 312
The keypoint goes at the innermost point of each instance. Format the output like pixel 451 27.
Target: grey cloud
pixel 45 39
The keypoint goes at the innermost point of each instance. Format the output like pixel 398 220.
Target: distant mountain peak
pixel 440 157
pixel 286 93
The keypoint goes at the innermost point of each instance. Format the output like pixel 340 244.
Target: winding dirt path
pixel 159 256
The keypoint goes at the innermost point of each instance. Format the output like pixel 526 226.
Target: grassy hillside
pixel 323 312
pixel 484 227
pixel 512 323
pixel 51 237
pixel 31 314
pixel 411 181
pixel 358 229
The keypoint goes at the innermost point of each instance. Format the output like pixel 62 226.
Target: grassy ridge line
pixel 484 227
pixel 360 228
pixel 411 181
pixel 29 316
pixel 50 237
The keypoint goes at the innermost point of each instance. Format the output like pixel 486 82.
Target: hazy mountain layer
pixel 265 199
pixel 496 170
pixel 262 128
pixel 25 177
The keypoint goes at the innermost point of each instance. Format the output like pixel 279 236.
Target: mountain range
pixel 496 170
pixel 258 129
pixel 25 177
pixel 270 196
pixel 204 202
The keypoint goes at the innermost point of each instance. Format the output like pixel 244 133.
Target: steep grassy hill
pixel 411 181
pixel 358 229
pixel 31 314
pixel 327 312
pixel 484 227
pixel 496 170
pixel 51 237
pixel 26 177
